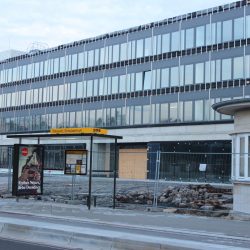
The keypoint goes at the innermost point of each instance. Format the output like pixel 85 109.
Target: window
pixel 198 115
pixel 22 97
pixel 132 50
pixel 182 40
pixel 66 91
pixel 139 48
pixel 156 79
pixel 95 87
pixel 68 63
pixel 102 56
pixel 218 32
pixel 123 54
pixel 108 84
pixel 247 26
pixel 227 31
pixel 146 114
pixel 164 113
pixel 29 71
pixel 54 120
pixel 62 64
pixel 74 62
pixel 242 156
pixel 247 66
pixel 115 53
pixel 199 73
pixel 148 47
pixel 165 78
pixel 189 38
pixel 226 69
pixel 79 92
pixel 73 91
pixel 97 56
pixel 175 41
pixel 138 81
pixel 122 85
pixel 137 118
pixel 101 86
pixel 36 68
pixel 208 34
pixel 238 28
pixel 147 80
pixel 181 73
pixel 188 111
pixel 80 60
pixel 55 93
pixel 218 71
pixel 165 43
pixel 238 68
pixel 173 112
pixel 35 95
pixel 90 58
pixel 174 76
pixel 91 118
pixel 60 92
pixel 99 122
pixel 189 74
pixel 207 108
pixel 72 119
pixel 207 72
pixel 200 36
pixel 157 44
pixel 114 84
pixel 89 88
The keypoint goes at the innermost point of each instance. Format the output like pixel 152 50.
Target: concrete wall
pixel 175 133
pixel 241 197
pixel 242 121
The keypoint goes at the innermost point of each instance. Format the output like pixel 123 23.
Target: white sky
pixel 56 22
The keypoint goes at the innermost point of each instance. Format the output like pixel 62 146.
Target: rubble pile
pixel 204 197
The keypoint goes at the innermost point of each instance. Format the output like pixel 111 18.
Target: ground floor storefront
pixel 194 161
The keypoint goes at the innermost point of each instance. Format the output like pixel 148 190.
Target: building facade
pixel 153 84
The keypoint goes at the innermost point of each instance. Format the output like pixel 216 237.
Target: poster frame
pixel 15 164
pixel 65 159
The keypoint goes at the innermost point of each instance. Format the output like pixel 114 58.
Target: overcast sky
pixel 55 22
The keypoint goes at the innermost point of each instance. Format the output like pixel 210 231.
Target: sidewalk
pixel 112 222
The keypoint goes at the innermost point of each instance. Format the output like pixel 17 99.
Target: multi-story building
pixel 153 84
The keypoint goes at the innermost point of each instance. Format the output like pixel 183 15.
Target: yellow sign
pixel 98 131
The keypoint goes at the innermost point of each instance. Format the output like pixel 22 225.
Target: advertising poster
pixel 27 170
pixel 76 162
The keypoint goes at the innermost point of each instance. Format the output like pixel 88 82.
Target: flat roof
pixel 49 136
pixel 232 106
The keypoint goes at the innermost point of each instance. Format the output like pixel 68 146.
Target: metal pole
pixel 157 176
pixel 20 141
pixel 73 187
pixel 90 173
pixel 115 171
pixel 9 151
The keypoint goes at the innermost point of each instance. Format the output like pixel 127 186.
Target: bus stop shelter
pixel 81 135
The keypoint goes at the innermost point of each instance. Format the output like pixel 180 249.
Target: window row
pixel 174 112
pixel 208 34
pixel 198 73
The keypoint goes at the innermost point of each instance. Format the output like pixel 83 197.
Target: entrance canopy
pixel 67 133
pixel 80 135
